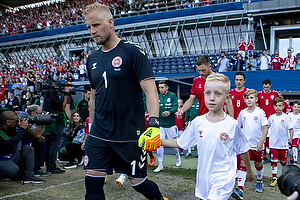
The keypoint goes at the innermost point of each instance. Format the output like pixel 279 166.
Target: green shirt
pixel 169 102
pixel 192 112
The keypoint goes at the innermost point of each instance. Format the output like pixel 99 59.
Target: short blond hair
pixel 221 78
pixel 103 9
pixel 250 92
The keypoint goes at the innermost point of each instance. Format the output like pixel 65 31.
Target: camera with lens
pixel 289 181
pixel 38 119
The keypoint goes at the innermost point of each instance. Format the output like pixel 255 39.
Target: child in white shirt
pixel 281 135
pixel 219 139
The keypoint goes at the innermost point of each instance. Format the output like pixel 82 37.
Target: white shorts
pixel 168 133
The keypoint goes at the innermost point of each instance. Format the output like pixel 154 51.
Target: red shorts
pixel 267 143
pixel 278 154
pixel 255 155
pixel 295 142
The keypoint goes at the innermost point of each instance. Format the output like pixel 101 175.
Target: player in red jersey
pixel 276 61
pixel 197 91
pixel 265 102
pixel 237 94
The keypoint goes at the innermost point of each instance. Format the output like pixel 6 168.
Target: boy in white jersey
pixel 219 139
pixel 281 135
pixel 254 124
pixel 295 118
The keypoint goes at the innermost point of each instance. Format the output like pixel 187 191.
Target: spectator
pixel 265 60
pixel 238 63
pixel 30 80
pixel 251 63
pixel 276 61
pixel 242 47
pixel 250 46
pixel 298 64
pixel 289 61
pixel 3 90
pixel 17 87
pixel 223 62
pixel 75 138
pixel 11 101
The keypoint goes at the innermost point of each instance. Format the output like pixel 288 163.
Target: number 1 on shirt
pixel 105 79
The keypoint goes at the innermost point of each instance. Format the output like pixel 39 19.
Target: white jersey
pixel 252 125
pixel 279 131
pixel 218 144
pixel 296 124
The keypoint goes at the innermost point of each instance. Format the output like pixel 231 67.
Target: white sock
pixel 241 178
pixel 295 154
pixel 259 174
pixel 160 155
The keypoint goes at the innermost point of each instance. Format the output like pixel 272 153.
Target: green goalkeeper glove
pixel 151 138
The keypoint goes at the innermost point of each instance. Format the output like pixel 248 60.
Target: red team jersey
pixel 276 63
pixel 237 98
pixel 265 101
pixel 243 47
pixel 180 123
pixel 287 108
pixel 198 90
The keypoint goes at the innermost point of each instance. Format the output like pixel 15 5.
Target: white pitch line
pixel 40 189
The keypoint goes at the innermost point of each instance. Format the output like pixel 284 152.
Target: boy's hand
pixel 250 175
pixel 290 141
pixel 259 147
pixel 151 138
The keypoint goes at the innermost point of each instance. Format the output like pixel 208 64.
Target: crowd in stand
pixel 18 77
pixel 245 60
pixel 57 15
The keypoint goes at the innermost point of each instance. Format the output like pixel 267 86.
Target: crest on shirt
pixel 272 96
pixel 117 62
pixel 200 86
pixel 169 100
pixel 298 119
pixel 224 137
pixel 200 133
pixel 255 118
pixel 282 121
pixel 86 160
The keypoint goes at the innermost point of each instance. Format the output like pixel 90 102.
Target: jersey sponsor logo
pixel 224 137
pixel 94 66
pixel 86 160
pixel 255 118
pixel 200 133
pixel 282 121
pixel 117 62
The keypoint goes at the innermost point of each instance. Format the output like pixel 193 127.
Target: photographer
pixel 38 143
pixel 12 153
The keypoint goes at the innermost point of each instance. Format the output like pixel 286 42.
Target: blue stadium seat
pixel 174 71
